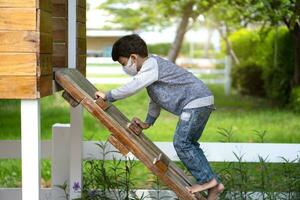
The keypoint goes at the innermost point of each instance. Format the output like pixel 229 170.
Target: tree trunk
pixel 296 34
pixel 230 51
pixel 181 30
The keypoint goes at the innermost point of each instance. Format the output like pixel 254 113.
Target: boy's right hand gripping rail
pixel 125 136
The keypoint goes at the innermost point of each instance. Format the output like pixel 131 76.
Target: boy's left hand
pixel 138 122
pixel 100 94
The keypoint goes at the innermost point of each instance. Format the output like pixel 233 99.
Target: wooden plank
pixel 81 3
pixel 18 64
pixel 81 46
pixel 81 64
pixel 18 4
pixel 60 10
pixel 46 41
pixel 60 61
pixel 81 30
pixel 81 15
pixel 44 21
pixel 45 5
pixel 18 87
pixel 44 86
pixel 19 41
pixel 18 19
pixel 59 1
pixel 60 28
pixel 25 64
pixel 59 49
pixel 25 42
pixel 121 147
pixel 44 64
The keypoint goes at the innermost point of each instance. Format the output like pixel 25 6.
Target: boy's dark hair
pixel 127 45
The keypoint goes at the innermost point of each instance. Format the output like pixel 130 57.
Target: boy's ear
pixel 134 57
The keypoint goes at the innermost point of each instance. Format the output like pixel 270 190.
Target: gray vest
pixel 175 87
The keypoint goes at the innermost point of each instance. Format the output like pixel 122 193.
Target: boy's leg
pixel 188 131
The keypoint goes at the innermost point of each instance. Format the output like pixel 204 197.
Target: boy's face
pixel 134 58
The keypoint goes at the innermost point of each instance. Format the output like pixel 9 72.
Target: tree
pixel 152 13
pixel 274 13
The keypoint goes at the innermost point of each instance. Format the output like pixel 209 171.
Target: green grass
pixel 241 114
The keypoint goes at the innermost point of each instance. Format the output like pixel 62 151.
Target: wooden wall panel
pixel 18 87
pixel 18 3
pixel 19 41
pixel 18 19
pixel 44 22
pixel 81 36
pixel 25 49
pixel 18 64
pixel 60 29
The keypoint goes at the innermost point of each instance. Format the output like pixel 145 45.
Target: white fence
pixel 58 150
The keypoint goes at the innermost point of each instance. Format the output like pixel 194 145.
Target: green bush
pixel 295 99
pixel 278 66
pixel 248 80
pixel 274 52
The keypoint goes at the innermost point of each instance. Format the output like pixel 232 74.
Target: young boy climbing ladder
pixel 176 90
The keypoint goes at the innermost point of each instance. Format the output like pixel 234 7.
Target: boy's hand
pixel 100 94
pixel 138 122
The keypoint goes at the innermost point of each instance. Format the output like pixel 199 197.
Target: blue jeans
pixel 188 131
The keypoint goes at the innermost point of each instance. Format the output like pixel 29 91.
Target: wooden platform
pixel 124 136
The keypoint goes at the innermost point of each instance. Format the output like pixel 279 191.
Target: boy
pixel 176 90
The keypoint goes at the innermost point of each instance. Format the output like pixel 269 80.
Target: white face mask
pixel 130 68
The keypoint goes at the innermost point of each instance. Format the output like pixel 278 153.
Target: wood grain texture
pixel 25 42
pixel 60 10
pixel 81 30
pixel 60 29
pixel 59 1
pixel 45 5
pixel 44 21
pixel 18 64
pixel 25 87
pixel 18 3
pixel 44 66
pixel 18 19
pixel 139 145
pixel 81 64
pixel 81 15
pixel 81 46
pixel 81 3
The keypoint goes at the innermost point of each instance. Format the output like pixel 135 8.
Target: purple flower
pixel 76 186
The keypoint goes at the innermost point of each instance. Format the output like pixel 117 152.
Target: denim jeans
pixel 188 131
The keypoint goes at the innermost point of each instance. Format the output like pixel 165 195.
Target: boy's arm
pixel 146 76
pixel 153 112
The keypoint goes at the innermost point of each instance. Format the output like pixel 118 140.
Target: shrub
pixel 279 66
pixel 271 54
pixel 161 49
pixel 248 80
pixel 295 99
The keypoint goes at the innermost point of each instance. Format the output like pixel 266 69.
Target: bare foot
pixel 214 192
pixel 198 188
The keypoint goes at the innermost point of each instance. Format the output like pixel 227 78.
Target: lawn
pixel 240 116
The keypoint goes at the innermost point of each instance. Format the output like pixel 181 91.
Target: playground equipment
pixel 124 136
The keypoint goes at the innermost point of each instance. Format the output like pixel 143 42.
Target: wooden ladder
pixel 124 136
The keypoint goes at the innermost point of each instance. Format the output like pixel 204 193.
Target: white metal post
pixel 31 149
pixel 60 160
pixel 76 113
